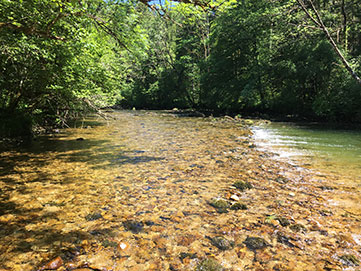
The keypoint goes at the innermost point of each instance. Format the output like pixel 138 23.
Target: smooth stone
pixel 53 264
pixel 254 243
pixel 222 243
pixel 209 265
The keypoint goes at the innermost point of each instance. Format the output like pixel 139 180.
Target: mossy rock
pixel 242 185
pixel 254 243
pixel 222 243
pixel 94 216
pixel 350 260
pixel 209 265
pixel 221 205
pixel 239 206
pixel 109 243
pixel 133 226
pixel 283 221
pixel 298 228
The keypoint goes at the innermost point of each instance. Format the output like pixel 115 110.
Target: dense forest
pixel 60 59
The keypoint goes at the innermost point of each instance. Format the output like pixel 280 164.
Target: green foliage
pixel 61 58
pixel 248 56
pixel 53 57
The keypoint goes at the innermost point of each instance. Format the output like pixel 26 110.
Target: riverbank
pixel 151 191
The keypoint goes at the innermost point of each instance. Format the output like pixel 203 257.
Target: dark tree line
pixel 59 59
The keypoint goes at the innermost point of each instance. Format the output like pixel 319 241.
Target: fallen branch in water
pixel 96 109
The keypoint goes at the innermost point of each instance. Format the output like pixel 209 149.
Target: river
pixel 154 191
pixel 317 146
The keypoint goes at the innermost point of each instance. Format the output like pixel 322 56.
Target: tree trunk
pixel 319 22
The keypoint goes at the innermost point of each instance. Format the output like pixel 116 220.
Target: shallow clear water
pixel 138 191
pixel 328 150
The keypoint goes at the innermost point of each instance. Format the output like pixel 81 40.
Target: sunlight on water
pixel 156 191
pixel 328 150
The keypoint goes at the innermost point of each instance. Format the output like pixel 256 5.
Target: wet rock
pixel 209 265
pixel 184 255
pixel 281 180
pixel 221 242
pixel 326 188
pixel 239 206
pixel 298 228
pixel 133 226
pixel 220 204
pixel 283 239
pixel 283 221
pixel 124 246
pixel 149 223
pixel 349 260
pixel 271 219
pixel 94 216
pixel 248 122
pixel 53 265
pixel 234 197
pixel 109 243
pixel 242 185
pixel 186 240
pixel 254 243
pixel 325 213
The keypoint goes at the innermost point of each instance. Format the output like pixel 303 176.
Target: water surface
pixel 133 193
pixel 326 149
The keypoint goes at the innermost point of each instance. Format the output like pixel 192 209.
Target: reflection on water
pixel 325 149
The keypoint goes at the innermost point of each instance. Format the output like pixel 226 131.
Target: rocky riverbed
pixel 161 191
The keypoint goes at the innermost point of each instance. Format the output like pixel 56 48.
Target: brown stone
pixel 53 264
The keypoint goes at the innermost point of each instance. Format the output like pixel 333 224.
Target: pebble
pixel 222 243
pixel 254 243
pixel 53 264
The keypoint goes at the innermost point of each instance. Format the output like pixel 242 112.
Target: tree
pixel 319 23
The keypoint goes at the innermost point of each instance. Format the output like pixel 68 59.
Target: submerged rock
pixel 281 180
pixel 283 221
pixel 222 243
pixel 184 255
pixel 234 197
pixel 242 185
pixel 283 239
pixel 220 204
pixel 349 260
pixel 133 226
pixel 109 243
pixel 298 228
pixel 94 216
pixel 239 206
pixel 53 264
pixel 254 243
pixel 209 265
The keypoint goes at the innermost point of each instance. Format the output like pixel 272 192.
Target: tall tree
pixel 317 20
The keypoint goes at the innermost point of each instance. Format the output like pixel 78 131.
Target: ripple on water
pixel 135 193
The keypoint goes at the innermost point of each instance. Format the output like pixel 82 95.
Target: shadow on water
pixel 14 222
pixel 29 160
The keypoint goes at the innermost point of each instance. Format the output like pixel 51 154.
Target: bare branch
pixel 303 6
pixel 319 22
